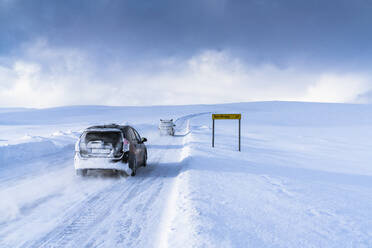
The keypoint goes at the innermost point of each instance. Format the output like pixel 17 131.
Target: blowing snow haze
pixel 183 52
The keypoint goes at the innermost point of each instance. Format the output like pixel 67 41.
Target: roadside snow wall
pixel 26 151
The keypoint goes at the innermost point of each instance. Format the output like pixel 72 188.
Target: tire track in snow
pixel 139 222
pixel 81 218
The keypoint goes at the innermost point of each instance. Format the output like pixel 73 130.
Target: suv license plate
pixel 100 151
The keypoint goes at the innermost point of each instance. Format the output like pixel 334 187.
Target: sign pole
pixel 239 135
pixel 213 134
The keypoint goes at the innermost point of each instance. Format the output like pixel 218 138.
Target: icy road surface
pixel 52 207
pixel 303 179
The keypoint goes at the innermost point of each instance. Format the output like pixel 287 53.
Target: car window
pixel 113 138
pixel 138 137
pixel 131 135
pixel 107 137
pixel 126 133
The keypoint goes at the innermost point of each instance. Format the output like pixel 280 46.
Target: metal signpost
pixel 225 117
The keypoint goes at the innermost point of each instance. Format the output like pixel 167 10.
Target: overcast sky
pixel 72 52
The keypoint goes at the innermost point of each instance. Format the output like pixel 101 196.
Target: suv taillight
pixel 125 145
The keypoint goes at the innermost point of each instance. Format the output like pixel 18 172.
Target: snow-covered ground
pixel 302 179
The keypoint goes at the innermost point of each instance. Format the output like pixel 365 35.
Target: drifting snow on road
pixel 58 209
pixel 303 179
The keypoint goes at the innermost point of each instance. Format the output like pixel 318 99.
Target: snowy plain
pixel 302 179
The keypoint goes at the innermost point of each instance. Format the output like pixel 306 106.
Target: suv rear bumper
pixel 99 163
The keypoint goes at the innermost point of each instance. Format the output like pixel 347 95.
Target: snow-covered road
pixel 303 179
pixel 48 206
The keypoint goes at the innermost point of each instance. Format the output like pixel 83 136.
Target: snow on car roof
pixel 103 130
pixel 107 126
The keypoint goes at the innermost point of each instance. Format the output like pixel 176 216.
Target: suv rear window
pixel 113 138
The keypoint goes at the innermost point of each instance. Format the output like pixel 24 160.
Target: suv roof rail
pixel 113 125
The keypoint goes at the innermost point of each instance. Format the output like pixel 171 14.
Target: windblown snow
pixel 302 179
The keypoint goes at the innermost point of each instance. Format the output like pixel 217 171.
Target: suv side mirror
pixel 143 140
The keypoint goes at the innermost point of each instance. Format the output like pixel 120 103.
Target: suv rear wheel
pixel 145 160
pixel 81 172
pixel 133 165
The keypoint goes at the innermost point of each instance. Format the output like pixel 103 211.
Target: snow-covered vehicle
pixel 110 147
pixel 166 127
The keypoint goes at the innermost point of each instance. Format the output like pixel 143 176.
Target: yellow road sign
pixel 226 116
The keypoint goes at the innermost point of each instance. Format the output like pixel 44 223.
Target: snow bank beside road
pixel 35 147
pixel 26 151
pixel 289 187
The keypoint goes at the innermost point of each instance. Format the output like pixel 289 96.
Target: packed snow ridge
pixel 302 179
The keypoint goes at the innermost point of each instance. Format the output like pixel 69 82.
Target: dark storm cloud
pixel 329 32
pixel 181 52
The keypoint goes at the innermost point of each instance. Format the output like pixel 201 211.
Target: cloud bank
pixel 47 76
